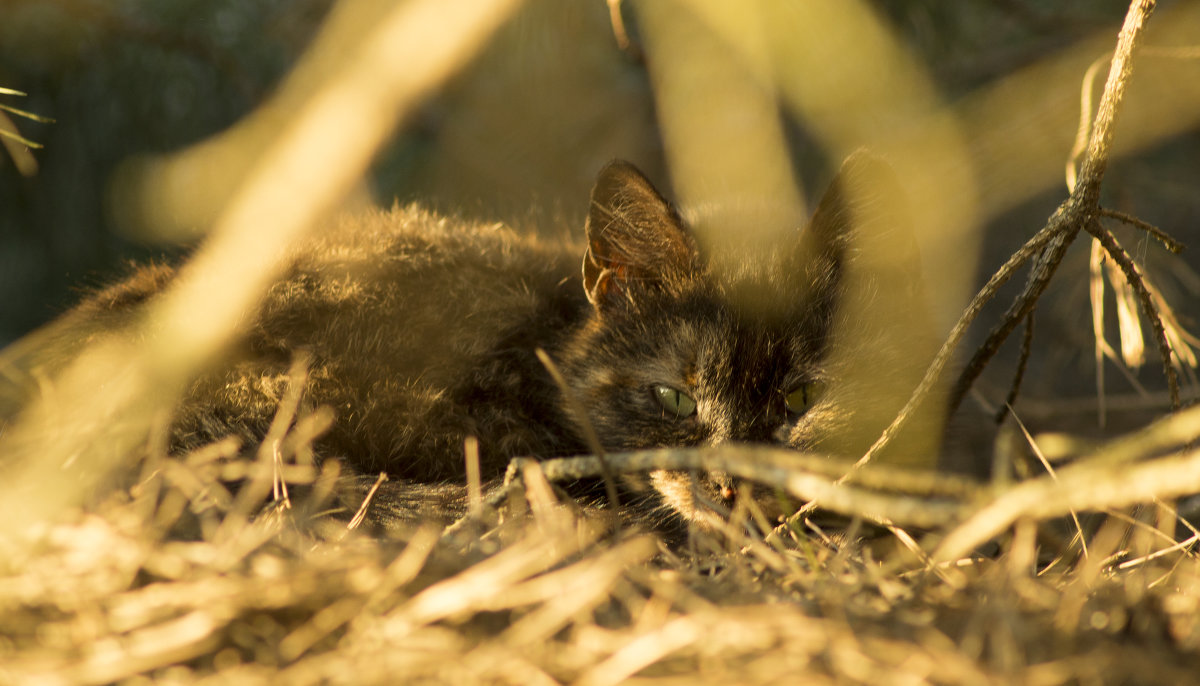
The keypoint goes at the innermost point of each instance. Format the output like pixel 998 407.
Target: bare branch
pixel 1169 243
pixel 1079 210
pixel 1022 363
pixel 902 496
pixel 1134 277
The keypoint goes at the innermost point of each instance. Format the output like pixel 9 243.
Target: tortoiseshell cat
pixel 422 331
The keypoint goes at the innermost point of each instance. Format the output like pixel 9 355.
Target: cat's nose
pixel 724 485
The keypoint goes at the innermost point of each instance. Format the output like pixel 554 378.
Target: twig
pixel 1176 547
pixel 585 427
pixel 1085 96
pixel 1092 170
pixel 268 450
pixel 1174 246
pixel 361 514
pixel 1118 255
pixel 1037 452
pixel 474 483
pixel 906 497
pixel 1086 485
pixel 1074 214
pixel 1080 209
pixel 1063 226
pixel 1038 498
pixel 1022 363
pixel 620 34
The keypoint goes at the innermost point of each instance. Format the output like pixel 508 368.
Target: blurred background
pixel 519 135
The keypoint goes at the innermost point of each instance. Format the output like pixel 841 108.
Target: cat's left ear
pixel 636 240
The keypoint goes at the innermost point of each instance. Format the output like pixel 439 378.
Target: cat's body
pixel 421 331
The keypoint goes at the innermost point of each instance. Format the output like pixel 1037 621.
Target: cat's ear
pixel 862 217
pixel 636 240
pixel 880 331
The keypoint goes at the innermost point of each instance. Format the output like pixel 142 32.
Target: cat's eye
pixel 801 398
pixel 674 401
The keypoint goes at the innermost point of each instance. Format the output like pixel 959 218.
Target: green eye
pixel 802 398
pixel 674 401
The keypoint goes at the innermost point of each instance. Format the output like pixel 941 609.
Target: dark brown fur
pixel 422 331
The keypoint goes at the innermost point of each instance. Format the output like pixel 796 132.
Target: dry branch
pixel 1051 242
pixel 1135 280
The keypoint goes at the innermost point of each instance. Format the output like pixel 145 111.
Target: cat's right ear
pixel 862 217
pixel 636 240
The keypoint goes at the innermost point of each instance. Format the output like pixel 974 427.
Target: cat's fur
pixel 422 331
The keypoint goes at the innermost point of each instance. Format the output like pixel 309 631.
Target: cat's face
pixel 691 349
pixel 688 368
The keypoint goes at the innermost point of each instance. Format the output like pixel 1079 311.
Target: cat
pixel 421 331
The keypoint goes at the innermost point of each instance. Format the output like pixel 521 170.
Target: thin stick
pixel 362 509
pixel 269 450
pixel 934 371
pixel 1060 229
pixel 1022 363
pixel 618 24
pixel 1039 278
pixel 1085 485
pixel 474 483
pixel 585 427
pixel 1118 255
pixel 1037 451
pixel 1092 170
pixel 905 497
pixel 1163 237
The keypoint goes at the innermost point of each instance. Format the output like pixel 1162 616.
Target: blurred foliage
pixel 120 78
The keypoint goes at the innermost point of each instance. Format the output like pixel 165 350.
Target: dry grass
pixel 166 580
